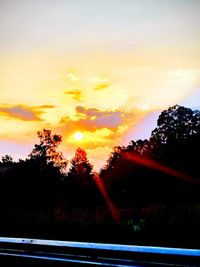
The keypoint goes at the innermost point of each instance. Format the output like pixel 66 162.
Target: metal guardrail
pixel 36 252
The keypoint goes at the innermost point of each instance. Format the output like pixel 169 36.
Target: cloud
pixel 44 107
pixel 101 86
pixel 94 118
pixel 76 94
pixel 73 77
pixel 22 112
pixel 99 126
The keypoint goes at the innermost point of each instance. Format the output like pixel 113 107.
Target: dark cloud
pixel 22 112
pixel 76 94
pixel 99 119
pixel 92 119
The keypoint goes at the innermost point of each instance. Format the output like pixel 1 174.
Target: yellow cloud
pixel 101 86
pixel 76 94
pixel 99 80
pixel 73 77
pixel 16 130
pixel 135 81
pixel 91 139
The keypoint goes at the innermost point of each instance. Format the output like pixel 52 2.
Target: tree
pixel 47 149
pixel 82 190
pixel 7 160
pixel 176 123
pixel 6 164
pixel 81 168
pixel 124 175
pixel 176 139
pixel 167 161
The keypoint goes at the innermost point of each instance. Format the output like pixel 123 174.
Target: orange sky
pixel 103 69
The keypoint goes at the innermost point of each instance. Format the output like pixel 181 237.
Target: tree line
pixel 163 170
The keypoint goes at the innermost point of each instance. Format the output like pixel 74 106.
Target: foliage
pixel 176 123
pixel 163 168
pixel 47 149
pixel 80 168
pixel 80 184
pixel 7 160
pixel 176 140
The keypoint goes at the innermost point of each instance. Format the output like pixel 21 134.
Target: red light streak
pixel 158 166
pixel 111 206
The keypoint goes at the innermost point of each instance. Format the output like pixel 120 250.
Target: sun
pixel 78 136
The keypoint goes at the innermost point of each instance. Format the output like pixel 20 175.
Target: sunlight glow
pixel 108 81
pixel 78 136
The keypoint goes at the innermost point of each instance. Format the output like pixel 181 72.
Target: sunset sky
pixel 103 68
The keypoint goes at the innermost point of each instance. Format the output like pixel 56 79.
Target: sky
pixel 104 68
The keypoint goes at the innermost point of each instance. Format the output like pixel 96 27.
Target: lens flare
pixel 114 211
pixel 160 167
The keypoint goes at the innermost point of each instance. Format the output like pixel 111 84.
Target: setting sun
pixel 78 136
pixel 108 84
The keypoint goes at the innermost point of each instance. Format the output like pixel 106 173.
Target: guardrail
pixel 36 252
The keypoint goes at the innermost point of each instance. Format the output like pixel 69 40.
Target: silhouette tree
pixel 134 173
pixel 81 185
pixel 6 163
pixel 176 139
pixel 40 174
pixel 124 177
pixel 7 160
pixel 176 123
pixel 81 168
pixel 47 149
